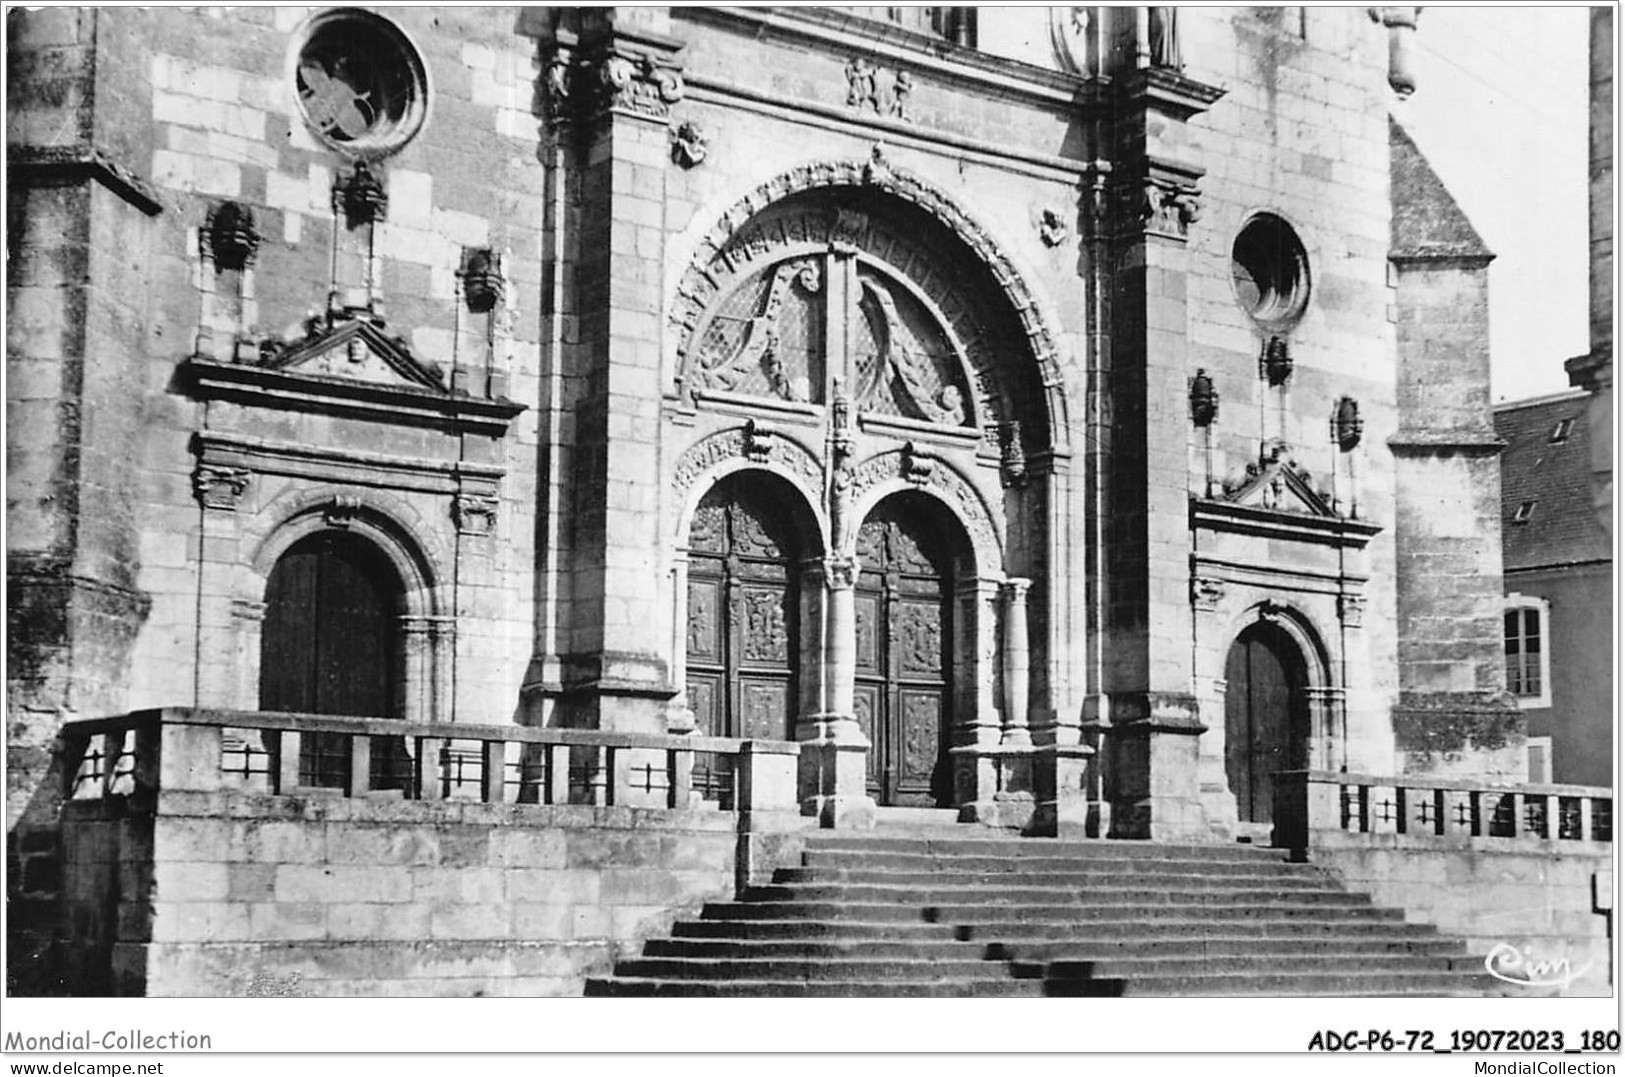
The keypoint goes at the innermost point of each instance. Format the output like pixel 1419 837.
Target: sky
pixel 1501 112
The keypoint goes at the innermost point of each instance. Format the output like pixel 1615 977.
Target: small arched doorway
pixel 903 687
pixel 744 610
pixel 332 644
pixel 1266 716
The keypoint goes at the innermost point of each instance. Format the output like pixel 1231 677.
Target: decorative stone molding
pixel 247 610
pixel 698 288
pixel 1207 593
pixel 690 143
pixel 757 442
pixel 933 474
pixel 474 514
pixel 220 487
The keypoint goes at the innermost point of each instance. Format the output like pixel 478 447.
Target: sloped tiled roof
pixel 1562 527
pixel 1426 221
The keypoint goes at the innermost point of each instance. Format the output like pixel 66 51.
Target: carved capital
pixel 840 573
pixel 638 84
pixel 1164 199
pixel 220 487
pixel 474 514
pixel 1206 593
pixel 1014 591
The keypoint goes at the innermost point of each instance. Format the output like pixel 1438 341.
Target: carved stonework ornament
pixel 232 236
pixel 1275 362
pixel 1052 228
pixel 1351 610
pixel 1346 426
pixel 689 143
pixel 362 197
pixel 1012 456
pixel 1204 398
pixel 474 514
pixel 840 573
pixel 869 90
pixel 220 487
pixel 342 510
pixel 720 256
pixel 917 464
pixel 643 86
pixel 557 83
pixel 1206 593
pixel 1279 483
pixel 757 442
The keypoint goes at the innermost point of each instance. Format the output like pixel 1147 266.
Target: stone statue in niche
pixel 900 91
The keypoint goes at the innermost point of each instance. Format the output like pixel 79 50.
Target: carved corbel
pixel 1206 593
pixel 342 510
pixel 760 440
pixel 474 514
pixel 220 487
pixel 690 142
pixel 1164 201
pixel 639 84
pixel 917 464
pixel 1351 610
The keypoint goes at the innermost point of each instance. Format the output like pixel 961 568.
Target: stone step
pixel 1025 894
pixel 1052 950
pixel 988 988
pixel 1075 849
pixel 812 929
pixel 820 863
pixel 974 913
pixel 868 970
pixel 1429 984
pixel 1100 929
pixel 1141 967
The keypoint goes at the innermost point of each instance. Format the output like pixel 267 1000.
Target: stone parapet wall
pixel 1546 906
pixel 230 894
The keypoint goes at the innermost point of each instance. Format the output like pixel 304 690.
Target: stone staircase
pixel 954 914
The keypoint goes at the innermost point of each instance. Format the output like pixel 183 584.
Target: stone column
pixel 834 754
pixel 1017 662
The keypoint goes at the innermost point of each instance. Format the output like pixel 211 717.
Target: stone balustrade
pixel 203 750
pixel 1422 811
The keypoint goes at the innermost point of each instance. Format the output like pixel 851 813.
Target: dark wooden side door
pixel 1265 717
pixel 331 645
pixel 743 611
pixel 904 645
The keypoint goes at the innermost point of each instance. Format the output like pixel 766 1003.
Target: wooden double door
pixel 904 671
pixel 1266 717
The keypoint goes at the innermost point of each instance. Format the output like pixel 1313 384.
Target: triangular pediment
pixel 1278 485
pixel 354 347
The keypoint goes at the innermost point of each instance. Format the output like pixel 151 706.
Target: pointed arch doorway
pixel 331 644
pixel 1266 716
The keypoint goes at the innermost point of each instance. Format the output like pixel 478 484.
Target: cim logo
pixel 1522 966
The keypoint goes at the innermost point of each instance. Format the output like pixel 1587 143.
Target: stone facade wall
pixel 234 894
pixel 1551 906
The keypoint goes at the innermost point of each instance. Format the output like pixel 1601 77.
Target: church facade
pixel 1070 417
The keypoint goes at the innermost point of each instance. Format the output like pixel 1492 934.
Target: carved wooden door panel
pixel 330 645
pixel 1266 718
pixel 904 633
pixel 742 616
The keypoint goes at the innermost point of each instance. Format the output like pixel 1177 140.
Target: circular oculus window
pixel 1270 271
pixel 362 86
